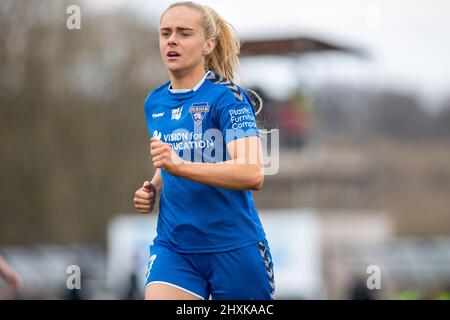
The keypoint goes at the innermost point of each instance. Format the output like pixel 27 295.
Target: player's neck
pixel 186 80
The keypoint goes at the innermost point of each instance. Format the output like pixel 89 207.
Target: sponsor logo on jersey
pixel 198 111
pixel 176 113
pixel 157 135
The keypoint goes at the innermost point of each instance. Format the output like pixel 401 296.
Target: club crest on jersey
pixel 198 111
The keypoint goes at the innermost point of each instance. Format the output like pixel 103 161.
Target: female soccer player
pixel 205 146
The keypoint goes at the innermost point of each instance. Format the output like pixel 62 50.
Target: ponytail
pixel 224 60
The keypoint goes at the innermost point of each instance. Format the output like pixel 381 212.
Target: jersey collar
pixel 198 85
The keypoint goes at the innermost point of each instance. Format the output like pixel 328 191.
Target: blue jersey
pixel 198 123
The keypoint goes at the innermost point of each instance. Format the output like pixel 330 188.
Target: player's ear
pixel 209 46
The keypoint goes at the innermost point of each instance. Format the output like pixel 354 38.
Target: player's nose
pixel 172 40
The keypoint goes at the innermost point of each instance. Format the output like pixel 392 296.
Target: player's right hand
pixel 144 198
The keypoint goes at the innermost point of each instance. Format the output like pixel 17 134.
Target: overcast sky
pixel 408 41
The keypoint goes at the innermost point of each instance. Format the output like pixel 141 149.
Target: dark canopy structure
pixel 292 46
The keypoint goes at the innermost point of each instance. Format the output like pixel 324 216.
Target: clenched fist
pixel 164 157
pixel 144 198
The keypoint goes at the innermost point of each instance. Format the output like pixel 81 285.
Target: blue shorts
pixel 241 274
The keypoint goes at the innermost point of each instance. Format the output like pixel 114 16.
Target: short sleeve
pixel 236 119
pixel 147 114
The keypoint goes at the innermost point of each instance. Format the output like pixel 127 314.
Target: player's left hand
pixel 164 157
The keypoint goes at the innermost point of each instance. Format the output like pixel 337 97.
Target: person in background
pixel 10 275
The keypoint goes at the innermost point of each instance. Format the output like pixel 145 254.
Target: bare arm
pixel 244 171
pixel 10 275
pixel 157 180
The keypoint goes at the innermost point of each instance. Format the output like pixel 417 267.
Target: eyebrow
pixel 177 28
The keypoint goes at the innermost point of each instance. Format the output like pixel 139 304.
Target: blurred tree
pixel 73 140
pixel 441 120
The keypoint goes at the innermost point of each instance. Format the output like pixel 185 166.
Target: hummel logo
pixel 176 113
pixel 157 115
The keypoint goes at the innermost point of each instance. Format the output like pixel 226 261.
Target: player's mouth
pixel 172 55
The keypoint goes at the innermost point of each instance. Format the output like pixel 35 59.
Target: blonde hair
pixel 224 60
